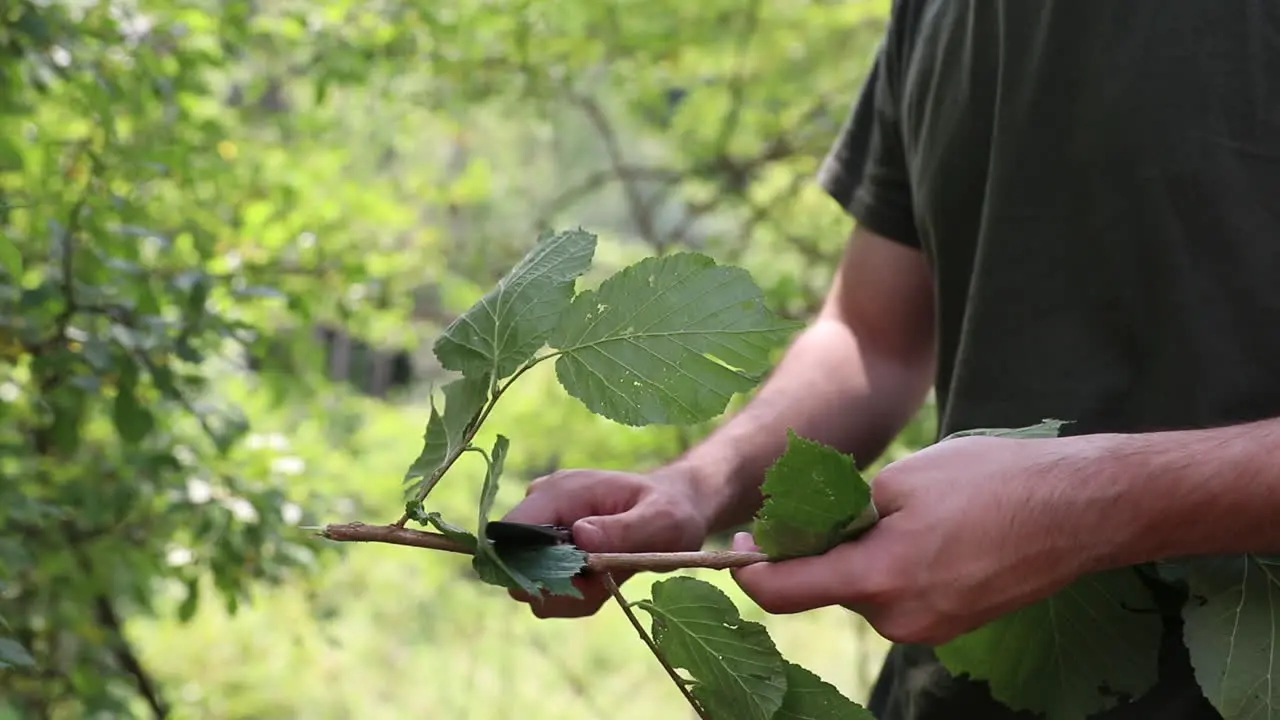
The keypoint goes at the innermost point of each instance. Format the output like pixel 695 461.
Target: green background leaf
pixel 1231 632
pixel 667 340
pixel 14 655
pixel 10 258
pixel 133 420
pixel 1057 655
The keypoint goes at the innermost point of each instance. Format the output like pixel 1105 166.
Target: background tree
pixel 223 224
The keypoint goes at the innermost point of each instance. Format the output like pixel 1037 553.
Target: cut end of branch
pixel 391 535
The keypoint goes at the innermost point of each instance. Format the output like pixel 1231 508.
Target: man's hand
pixel 611 512
pixel 970 529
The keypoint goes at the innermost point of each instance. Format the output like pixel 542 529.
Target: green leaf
pixel 667 340
pixel 10 160
pixel 549 569
pixel 1069 656
pixel 191 602
pixel 226 428
pixel 132 419
pixel 532 570
pixel 1043 429
pixel 14 655
pixel 1230 630
pixel 809 697
pixel 10 258
pixel 464 398
pixel 453 532
pixel 737 671
pixel 512 321
pixel 489 491
pixel 813 494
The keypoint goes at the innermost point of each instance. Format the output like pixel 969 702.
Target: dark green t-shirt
pixel 1096 184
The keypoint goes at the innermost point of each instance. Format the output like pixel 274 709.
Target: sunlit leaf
pixel 668 340
pixel 511 322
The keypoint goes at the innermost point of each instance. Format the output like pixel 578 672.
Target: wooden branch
pixel 600 562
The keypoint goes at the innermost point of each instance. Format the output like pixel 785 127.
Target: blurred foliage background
pixel 229 231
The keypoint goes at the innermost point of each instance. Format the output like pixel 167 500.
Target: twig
pixel 667 562
pixel 612 587
pixel 429 483
pixel 641 210
pixel 147 687
pixel 599 562
pixel 391 535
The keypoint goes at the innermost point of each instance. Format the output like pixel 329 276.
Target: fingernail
pixel 743 542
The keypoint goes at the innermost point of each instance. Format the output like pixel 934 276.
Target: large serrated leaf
pixel 667 340
pixel 1231 632
pixel 446 431
pixel 510 323
pixel 737 671
pixel 809 697
pixel 1070 656
pixel 814 493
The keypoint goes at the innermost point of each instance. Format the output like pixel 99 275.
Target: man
pixel 1066 209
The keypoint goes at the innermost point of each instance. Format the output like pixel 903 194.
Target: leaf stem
pixel 680 682
pixel 598 562
pixel 467 437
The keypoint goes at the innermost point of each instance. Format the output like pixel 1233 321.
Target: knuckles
pixel 557 478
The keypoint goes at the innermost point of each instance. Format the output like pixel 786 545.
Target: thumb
pixel 609 533
pixel 649 526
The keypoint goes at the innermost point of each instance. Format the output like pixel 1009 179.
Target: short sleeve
pixel 866 168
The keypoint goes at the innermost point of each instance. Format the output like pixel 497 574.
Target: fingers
pixel 848 575
pixel 594 596
pixel 609 512
pixel 567 496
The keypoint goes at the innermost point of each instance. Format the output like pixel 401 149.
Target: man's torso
pixel 1097 186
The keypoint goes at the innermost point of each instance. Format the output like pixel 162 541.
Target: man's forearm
pixel 1194 492
pixel 830 388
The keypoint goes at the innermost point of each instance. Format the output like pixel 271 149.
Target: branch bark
pixel 598 562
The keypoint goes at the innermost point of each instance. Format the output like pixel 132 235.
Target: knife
pixel 524 535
